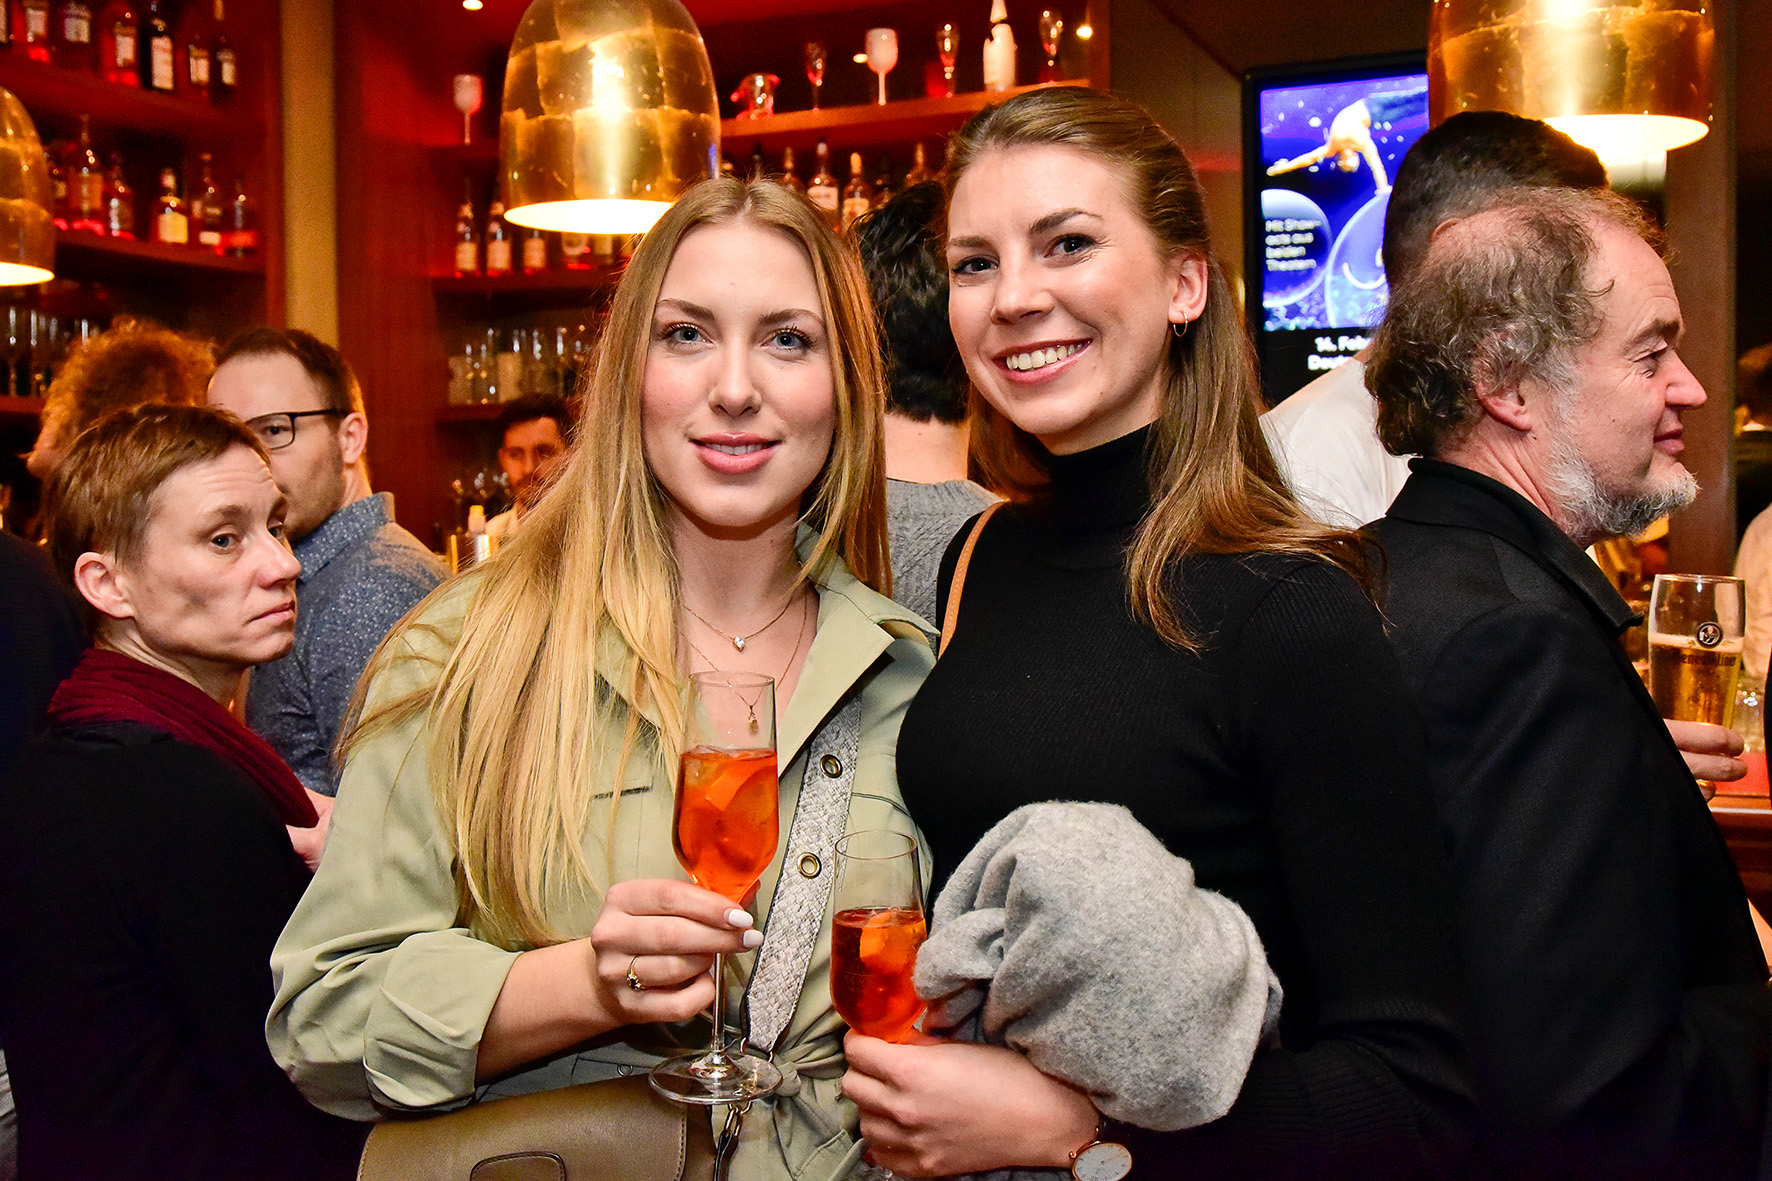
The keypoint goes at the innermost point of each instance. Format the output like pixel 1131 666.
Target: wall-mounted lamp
pixel 27 231
pixel 609 115
pixel 1624 77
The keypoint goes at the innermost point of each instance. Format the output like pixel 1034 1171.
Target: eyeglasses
pixel 277 431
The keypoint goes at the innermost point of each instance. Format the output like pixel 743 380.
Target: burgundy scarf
pixel 111 687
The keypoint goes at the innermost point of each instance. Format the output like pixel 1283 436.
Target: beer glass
pixel 1695 641
pixel 725 831
pixel 877 929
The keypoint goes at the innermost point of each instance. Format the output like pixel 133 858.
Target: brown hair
pixel 132 362
pixel 102 493
pixel 1489 306
pixel 1216 486
pixel 325 364
pixel 519 716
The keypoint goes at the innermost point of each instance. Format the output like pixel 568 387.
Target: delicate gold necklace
pixel 740 641
pixel 751 705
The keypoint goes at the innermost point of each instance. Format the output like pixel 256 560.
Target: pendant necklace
pixel 740 641
pixel 751 704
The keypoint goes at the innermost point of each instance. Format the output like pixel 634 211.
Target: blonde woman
pixel 499 909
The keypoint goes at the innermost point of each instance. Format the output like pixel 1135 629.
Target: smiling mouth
pixel 737 448
pixel 1040 358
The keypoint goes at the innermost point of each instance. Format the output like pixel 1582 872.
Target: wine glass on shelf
pixel 1051 29
pixel 947 47
pixel 815 61
pixel 725 833
pixel 877 929
pixel 470 92
pixel 882 46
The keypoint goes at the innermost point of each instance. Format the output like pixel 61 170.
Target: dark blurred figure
pixel 928 496
pixel 533 433
pixel 145 864
pixel 1753 436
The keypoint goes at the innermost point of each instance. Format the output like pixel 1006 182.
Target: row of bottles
pixel 33 344
pixel 498 247
pixel 98 199
pixel 842 203
pixel 503 364
pixel 195 59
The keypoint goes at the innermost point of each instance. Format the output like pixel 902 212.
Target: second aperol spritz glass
pixel 725 831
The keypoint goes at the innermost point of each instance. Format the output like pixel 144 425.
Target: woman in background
pixel 499 910
pixel 1159 626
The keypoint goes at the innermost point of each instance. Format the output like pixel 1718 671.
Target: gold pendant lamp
pixel 1624 77
pixel 609 115
pixel 27 230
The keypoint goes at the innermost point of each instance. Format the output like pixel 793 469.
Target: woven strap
pixel 803 891
pixel 951 617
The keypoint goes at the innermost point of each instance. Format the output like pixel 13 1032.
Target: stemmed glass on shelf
pixel 470 92
pixel 725 833
pixel 815 60
pixel 877 929
pixel 882 45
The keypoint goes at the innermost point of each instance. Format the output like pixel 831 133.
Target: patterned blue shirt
pixel 360 573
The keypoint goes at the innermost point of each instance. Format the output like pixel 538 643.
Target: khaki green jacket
pixel 381 999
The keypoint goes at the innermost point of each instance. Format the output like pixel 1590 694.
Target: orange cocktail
pixel 728 817
pixel 873 961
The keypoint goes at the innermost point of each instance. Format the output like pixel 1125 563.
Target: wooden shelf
pixel 550 282
pixel 19 408
pixel 120 254
pixel 847 128
pixel 48 90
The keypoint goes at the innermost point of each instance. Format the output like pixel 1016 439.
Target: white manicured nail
pixel 738 918
pixel 753 939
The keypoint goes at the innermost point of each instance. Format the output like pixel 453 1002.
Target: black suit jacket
pixel 1618 995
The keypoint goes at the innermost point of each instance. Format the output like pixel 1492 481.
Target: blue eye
pixel 789 338
pixel 224 541
pixel 682 334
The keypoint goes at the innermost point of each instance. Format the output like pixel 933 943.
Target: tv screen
pixel 1321 147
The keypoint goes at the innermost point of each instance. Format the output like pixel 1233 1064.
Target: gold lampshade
pixel 1624 77
pixel 27 231
pixel 609 115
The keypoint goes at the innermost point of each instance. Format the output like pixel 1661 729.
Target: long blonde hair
pixel 572 631
pixel 1216 486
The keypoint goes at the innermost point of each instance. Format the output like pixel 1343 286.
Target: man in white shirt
pixel 1325 436
pixel 532 434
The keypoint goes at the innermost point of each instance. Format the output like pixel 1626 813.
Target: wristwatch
pixel 1101 1160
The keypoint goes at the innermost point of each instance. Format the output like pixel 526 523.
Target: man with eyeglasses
pixel 360 571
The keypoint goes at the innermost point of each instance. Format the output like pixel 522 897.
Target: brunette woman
pixel 499 899
pixel 1159 626
pixel 145 866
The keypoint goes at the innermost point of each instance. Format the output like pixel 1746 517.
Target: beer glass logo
pixel 1708 635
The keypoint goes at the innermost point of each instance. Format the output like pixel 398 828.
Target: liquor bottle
pixel 788 177
pixel 194 32
pixel 57 153
pixel 575 251
pixel 242 221
pixel 86 184
pixel 33 29
pixel 821 190
pixel 535 252
pixel 73 35
pixel 224 66
pixel 156 58
pixel 498 240
pixel 467 237
pixel 119 201
pixel 858 194
pixel 919 167
pixel 118 32
pixel 883 186
pixel 170 221
pixel 206 206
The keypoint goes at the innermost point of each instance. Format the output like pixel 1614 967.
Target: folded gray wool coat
pixel 1072 935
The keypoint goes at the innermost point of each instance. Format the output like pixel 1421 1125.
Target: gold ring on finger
pixel 634 981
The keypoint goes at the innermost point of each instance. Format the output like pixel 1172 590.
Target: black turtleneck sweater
pixel 1283 760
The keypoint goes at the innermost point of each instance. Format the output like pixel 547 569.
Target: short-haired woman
pixel 1159 626
pixel 499 901
pixel 145 867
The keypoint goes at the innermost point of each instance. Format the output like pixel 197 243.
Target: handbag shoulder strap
pixel 951 618
pixel 802 893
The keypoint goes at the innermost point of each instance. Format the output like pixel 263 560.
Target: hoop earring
pixel 1180 330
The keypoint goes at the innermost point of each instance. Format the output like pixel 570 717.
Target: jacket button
pixel 833 766
pixel 809 865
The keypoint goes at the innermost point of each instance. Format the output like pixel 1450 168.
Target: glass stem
pixel 717 1051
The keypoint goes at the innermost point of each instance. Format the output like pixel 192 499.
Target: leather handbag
pixel 618 1130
